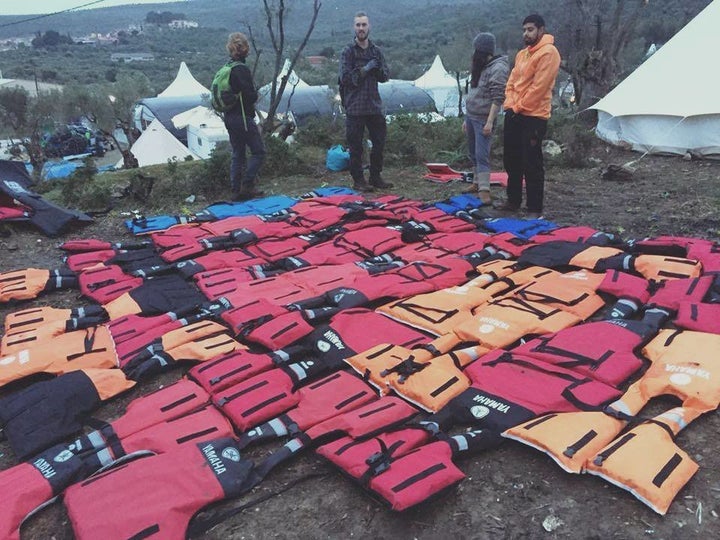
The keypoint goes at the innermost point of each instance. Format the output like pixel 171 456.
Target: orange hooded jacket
pixel 529 88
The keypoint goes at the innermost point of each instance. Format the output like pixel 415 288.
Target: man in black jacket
pixel 362 67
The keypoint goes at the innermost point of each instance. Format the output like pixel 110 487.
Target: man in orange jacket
pixel 527 109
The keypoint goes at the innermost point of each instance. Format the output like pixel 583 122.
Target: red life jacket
pixel 270 394
pixel 230 369
pixel 27 486
pixel 149 497
pixel 699 316
pixel 671 293
pixel 610 360
pixel 104 283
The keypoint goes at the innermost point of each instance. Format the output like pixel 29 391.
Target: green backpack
pixel 221 93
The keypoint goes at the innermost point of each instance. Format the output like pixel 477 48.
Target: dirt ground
pixel 512 492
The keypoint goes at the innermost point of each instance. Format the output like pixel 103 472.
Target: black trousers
pixel 523 159
pixel 354 131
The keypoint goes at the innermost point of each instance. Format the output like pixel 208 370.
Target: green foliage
pixel 82 191
pixel 51 38
pixel 574 133
pixel 412 140
pixel 155 17
pixel 282 159
pixel 322 132
pixel 216 170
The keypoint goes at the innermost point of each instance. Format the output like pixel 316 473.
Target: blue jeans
pixel 240 138
pixel 478 144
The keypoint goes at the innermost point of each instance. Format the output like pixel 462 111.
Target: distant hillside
pixel 411 32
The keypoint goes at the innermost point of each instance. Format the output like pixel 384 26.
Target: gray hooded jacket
pixel 490 89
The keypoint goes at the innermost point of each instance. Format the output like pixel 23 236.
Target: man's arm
pixel 383 72
pixel 349 72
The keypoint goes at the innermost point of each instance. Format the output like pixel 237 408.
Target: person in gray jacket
pixel 484 101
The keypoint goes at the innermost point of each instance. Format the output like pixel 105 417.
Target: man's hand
pixel 372 64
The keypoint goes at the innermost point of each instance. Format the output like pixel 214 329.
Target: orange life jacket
pixel 646 461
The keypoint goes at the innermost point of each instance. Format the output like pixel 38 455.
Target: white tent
pixel 204 127
pixel 442 86
pixel 670 103
pixel 184 85
pixel 157 145
pixel 293 80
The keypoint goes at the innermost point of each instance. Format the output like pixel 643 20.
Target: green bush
pixel 282 159
pixel 575 134
pixel 82 189
pixel 412 140
pixel 322 132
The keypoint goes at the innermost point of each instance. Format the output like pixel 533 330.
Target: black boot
pixel 379 183
pixel 362 186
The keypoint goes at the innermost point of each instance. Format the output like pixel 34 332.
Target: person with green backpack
pixel 234 95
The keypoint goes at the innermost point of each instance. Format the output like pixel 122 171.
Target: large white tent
pixel 184 85
pixel 442 86
pixel 670 103
pixel 157 145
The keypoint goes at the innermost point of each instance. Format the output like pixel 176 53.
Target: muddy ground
pixel 512 491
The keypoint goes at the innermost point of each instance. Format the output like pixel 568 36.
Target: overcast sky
pixel 36 7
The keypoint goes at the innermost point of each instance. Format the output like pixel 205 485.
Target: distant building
pixel 31 87
pixel 316 61
pixel 132 57
pixel 183 24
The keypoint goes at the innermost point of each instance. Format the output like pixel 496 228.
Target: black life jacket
pixel 47 412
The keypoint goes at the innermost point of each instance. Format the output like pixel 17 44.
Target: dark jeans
pixel 523 158
pixel 240 138
pixel 354 131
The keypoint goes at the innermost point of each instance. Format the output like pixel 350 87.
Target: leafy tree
pixel 29 115
pixel 109 106
pixel 593 34
pixel 51 38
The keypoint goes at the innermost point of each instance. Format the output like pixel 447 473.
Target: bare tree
pixel 275 13
pixel 592 35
